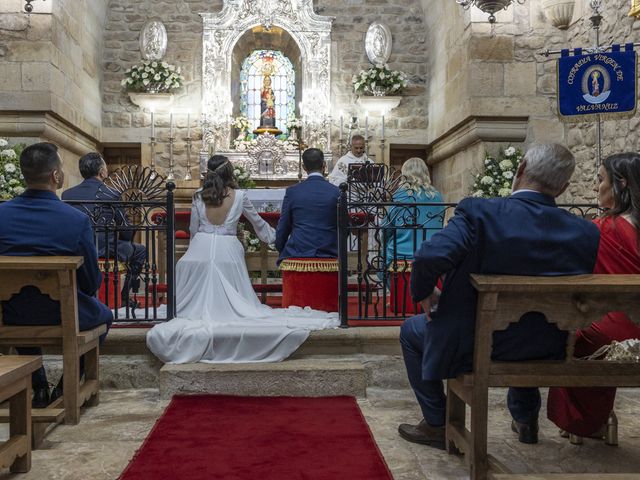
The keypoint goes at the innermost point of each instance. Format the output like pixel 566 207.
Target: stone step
pixel 308 377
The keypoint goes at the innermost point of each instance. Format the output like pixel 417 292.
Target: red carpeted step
pixel 201 437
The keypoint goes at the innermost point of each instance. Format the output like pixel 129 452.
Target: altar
pixel 266 87
pixel 267 158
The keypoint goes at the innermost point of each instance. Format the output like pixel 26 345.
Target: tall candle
pixel 366 126
pixel 383 127
pixel 341 125
pixel 171 125
pixel 153 126
pixel 189 125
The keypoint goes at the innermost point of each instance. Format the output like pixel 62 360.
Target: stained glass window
pixel 280 69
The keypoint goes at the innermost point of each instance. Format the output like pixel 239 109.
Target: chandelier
pixel 488 6
pixel 28 7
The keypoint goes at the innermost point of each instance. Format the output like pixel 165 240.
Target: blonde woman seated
pixel 426 219
pixel 219 317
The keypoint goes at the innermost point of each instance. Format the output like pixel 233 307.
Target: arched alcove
pixel 291 27
pixel 258 38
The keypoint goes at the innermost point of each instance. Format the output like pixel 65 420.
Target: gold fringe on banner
pixel 401 266
pixel 591 117
pixel 309 265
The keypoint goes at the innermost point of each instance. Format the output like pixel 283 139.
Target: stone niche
pixel 242 26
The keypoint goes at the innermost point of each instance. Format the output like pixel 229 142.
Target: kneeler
pixel 399 288
pixel 310 282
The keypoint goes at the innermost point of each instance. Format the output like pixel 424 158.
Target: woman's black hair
pixel 621 168
pixel 218 181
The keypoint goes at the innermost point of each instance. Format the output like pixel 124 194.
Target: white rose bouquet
pixel 293 123
pixel 497 177
pixel 379 80
pixel 241 123
pixel 152 76
pixel 11 179
pixel 243 178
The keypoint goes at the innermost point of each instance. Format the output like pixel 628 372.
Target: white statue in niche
pixel 153 40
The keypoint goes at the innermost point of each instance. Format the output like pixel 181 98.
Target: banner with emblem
pixel 597 83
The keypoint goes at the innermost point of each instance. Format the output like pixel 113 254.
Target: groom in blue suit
pixel 308 225
pixel 524 234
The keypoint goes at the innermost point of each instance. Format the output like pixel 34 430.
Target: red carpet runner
pixel 259 438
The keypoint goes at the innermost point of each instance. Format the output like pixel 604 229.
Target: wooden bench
pixel 571 302
pixel 15 386
pixel 56 277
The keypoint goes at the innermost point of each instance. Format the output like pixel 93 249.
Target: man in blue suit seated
pixel 38 223
pixel 308 226
pixel 94 170
pixel 524 234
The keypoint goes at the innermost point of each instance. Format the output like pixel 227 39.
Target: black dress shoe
pixel 527 432
pixel 40 397
pixel 424 434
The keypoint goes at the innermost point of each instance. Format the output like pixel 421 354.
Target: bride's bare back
pixel 217 215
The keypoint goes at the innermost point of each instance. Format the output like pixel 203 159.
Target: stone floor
pixel 100 447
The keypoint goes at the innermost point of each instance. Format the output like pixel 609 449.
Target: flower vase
pixel 241 136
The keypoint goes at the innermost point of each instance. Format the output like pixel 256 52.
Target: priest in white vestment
pixel 340 170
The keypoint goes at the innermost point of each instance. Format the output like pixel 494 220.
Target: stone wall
pixel 124 121
pixel 50 73
pixel 501 73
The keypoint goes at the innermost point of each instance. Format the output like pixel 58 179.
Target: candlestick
pixel 170 175
pixel 366 125
pixel 382 127
pixel 366 134
pixel 152 145
pixel 341 124
pixel 187 176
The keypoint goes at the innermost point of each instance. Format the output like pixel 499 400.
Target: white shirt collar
pixel 315 174
pixel 522 190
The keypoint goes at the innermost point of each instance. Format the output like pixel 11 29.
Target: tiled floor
pixel 108 435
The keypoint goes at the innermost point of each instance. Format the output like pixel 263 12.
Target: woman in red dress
pixel 584 411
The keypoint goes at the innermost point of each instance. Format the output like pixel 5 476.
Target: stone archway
pixel 222 32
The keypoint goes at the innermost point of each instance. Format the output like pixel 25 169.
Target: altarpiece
pixel 267 61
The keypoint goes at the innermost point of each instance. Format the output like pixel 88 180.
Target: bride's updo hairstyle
pixel 218 181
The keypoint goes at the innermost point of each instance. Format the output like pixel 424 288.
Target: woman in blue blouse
pixel 426 219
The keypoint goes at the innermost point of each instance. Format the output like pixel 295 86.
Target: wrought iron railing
pixel 143 291
pixel 383 234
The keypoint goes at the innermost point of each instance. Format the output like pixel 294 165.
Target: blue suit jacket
pixel 525 234
pixel 308 226
pixel 90 189
pixel 38 223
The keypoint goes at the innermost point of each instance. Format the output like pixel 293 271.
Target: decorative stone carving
pixel 153 40
pixel 311 32
pixel 377 43
pixel 559 12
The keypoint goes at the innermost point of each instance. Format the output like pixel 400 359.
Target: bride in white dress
pixel 219 317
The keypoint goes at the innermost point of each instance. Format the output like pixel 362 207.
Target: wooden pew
pixel 56 277
pixel 571 302
pixel 15 386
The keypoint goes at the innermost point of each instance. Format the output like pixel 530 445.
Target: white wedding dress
pixel 219 317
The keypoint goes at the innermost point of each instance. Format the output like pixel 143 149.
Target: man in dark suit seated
pixel 38 223
pixel 94 170
pixel 524 234
pixel 308 226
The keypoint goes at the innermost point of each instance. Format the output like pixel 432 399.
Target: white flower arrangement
pixel 497 177
pixel 243 177
pixel 11 178
pixel 379 79
pixel 152 76
pixel 294 123
pixel 241 123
